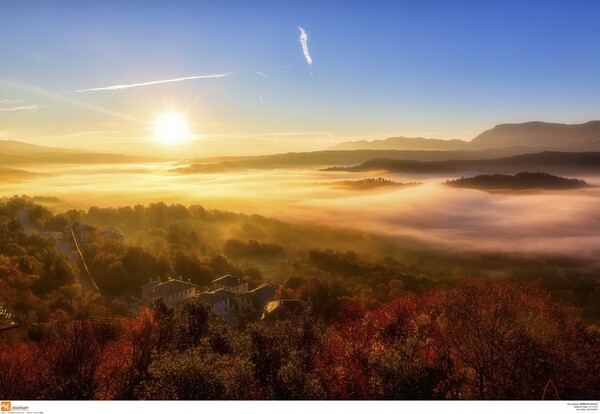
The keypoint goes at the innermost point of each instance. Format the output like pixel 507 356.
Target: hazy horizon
pixel 436 215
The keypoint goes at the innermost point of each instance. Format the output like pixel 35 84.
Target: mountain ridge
pixel 534 134
pixel 404 143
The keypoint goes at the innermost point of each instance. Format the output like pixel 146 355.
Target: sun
pixel 171 129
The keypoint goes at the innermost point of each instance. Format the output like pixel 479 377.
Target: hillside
pixel 21 153
pixel 11 147
pixel 552 162
pixel 519 181
pixel 321 158
pixel 14 175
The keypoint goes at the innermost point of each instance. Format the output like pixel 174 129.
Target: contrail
pixel 303 42
pixel 136 85
pixel 71 101
pixel 264 75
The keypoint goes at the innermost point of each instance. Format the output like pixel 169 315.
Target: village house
pixel 236 307
pixel 230 297
pixel 257 298
pixel 230 283
pixel 172 291
pixel 221 300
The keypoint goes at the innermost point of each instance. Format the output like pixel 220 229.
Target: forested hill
pixel 547 161
pixel 519 181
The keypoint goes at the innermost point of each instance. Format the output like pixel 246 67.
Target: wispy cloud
pixel 21 108
pixel 10 101
pixel 264 75
pixel 137 85
pixel 304 43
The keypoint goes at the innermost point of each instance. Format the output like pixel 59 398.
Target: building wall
pixel 241 288
pixel 181 296
pixel 244 304
pixel 223 307
pixel 148 295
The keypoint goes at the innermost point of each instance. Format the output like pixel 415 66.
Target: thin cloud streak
pixel 137 85
pixel 264 75
pixel 21 108
pixel 10 101
pixel 304 43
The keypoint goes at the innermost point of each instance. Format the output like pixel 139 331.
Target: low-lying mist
pixel 541 222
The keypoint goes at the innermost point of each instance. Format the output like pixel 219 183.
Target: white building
pixel 257 298
pixel 231 283
pixel 226 302
pixel 172 291
pixel 221 300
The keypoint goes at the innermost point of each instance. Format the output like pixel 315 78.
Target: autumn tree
pixel 73 354
pixel 134 353
pixel 508 339
pixel 197 374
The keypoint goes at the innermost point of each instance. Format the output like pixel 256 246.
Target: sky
pixel 278 76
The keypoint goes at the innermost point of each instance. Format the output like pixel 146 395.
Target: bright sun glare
pixel 171 129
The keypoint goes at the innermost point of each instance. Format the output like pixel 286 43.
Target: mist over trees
pixel 376 329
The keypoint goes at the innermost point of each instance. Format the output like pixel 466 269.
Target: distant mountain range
pixel 405 144
pixel 532 135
